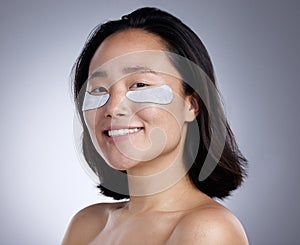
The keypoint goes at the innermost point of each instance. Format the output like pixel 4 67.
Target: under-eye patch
pixel 158 95
pixel 91 101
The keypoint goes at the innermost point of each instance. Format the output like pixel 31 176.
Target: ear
pixel 192 107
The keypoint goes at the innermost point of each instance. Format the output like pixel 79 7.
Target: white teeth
pixel 124 131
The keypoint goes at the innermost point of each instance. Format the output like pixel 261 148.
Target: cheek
pixel 89 119
pixel 176 110
pixel 165 118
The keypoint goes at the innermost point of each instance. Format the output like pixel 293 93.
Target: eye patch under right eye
pixel 91 102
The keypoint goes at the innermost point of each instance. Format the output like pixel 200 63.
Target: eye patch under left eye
pixel 158 95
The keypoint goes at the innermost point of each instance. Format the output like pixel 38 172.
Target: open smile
pixel 122 131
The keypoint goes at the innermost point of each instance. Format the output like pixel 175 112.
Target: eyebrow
pixel 125 70
pixel 136 69
pixel 98 74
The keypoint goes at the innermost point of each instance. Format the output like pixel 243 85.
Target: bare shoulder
pixel 212 224
pixel 88 222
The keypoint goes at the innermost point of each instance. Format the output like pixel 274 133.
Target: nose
pixel 117 105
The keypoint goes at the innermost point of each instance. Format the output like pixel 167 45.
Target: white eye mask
pixel 159 95
pixel 91 101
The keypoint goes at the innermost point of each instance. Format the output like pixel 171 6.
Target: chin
pixel 121 163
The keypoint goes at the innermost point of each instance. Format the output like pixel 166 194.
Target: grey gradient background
pixel 254 46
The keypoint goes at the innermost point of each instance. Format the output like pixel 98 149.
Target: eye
pixel 139 85
pixel 99 91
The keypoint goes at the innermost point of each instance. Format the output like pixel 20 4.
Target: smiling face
pixel 141 122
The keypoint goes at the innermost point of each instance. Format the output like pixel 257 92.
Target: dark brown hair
pixel 229 171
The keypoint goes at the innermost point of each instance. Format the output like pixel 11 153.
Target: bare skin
pixel 187 218
pixel 179 214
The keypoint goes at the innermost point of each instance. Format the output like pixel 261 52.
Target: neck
pixel 159 185
pixel 182 195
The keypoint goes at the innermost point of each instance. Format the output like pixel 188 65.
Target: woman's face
pixel 144 135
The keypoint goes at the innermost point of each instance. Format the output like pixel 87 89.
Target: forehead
pixel 148 62
pixel 124 42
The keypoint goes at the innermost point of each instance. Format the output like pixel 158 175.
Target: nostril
pixel 108 115
pixel 114 114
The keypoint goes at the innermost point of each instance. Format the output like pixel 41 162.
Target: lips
pixel 122 131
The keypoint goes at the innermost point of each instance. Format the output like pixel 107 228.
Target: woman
pixel 155 134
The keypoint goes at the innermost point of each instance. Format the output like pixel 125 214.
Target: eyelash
pixel 94 91
pixel 102 90
pixel 136 85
